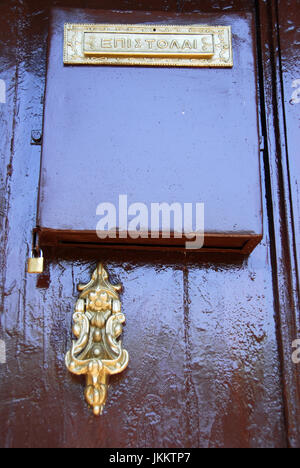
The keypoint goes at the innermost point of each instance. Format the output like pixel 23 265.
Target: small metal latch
pixel 35 264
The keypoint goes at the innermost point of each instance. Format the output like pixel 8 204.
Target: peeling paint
pixel 296 94
pixel 2 92
pixel 2 352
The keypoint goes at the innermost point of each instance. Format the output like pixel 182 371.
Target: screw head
pixel 36 137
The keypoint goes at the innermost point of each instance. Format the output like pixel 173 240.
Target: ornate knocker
pixel 97 352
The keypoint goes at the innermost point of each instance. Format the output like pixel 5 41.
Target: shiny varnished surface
pixel 207 367
pixel 280 209
pixel 289 21
pixel 158 135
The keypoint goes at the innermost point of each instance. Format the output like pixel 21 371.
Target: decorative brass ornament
pixel 97 353
pixel 148 45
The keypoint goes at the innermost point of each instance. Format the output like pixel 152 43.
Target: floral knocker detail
pixel 97 352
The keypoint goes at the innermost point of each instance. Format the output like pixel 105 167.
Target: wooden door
pixel 210 337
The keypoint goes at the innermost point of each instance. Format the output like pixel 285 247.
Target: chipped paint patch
pixel 296 354
pixel 2 352
pixel 296 94
pixel 2 92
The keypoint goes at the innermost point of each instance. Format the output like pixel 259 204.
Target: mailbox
pixel 128 133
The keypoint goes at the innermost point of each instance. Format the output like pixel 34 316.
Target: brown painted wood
pixel 289 37
pixel 242 244
pixel 209 337
pixel 281 226
pixel 155 134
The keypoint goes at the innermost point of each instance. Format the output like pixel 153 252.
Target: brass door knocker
pixel 97 352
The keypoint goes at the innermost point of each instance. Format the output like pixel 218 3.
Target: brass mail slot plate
pixel 148 45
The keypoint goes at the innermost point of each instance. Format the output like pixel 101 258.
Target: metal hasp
pixel 97 352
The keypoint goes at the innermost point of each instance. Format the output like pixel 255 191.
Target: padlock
pixel 35 265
